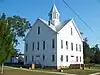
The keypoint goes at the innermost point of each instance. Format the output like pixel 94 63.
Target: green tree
pixel 97 54
pixel 18 27
pixel 10 29
pixel 86 50
pixel 89 53
pixel 6 41
pixel 92 56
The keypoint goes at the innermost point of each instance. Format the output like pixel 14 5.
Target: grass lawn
pixel 9 71
pixel 96 66
pixel 81 72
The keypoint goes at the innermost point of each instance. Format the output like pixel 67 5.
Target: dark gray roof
pixel 59 27
pixel 55 28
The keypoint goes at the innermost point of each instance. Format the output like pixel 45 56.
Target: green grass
pixel 75 71
pixel 81 72
pixel 47 69
pixel 9 71
pixel 96 66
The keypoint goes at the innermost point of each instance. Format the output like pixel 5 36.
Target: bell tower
pixel 54 16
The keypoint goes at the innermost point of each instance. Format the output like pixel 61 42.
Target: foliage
pixel 6 40
pixel 87 60
pixel 18 27
pixel 86 51
pixel 10 29
pixel 97 55
pixel 91 55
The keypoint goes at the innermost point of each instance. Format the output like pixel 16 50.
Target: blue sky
pixel 89 10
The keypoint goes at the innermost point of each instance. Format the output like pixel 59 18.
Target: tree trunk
pixel 2 69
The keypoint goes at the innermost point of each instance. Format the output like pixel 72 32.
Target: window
pixel 61 44
pixel 61 58
pixel 71 46
pixel 80 58
pixel 43 45
pixel 38 46
pixel 66 44
pixel 66 58
pixel 76 48
pixel 76 58
pixel 71 31
pixel 53 43
pixel 80 48
pixel 54 15
pixel 53 58
pixel 37 55
pixel 33 46
pixel 43 57
pixel 38 30
pixel 25 58
pixel 72 56
pixel 26 45
pixel 32 58
pixel 57 16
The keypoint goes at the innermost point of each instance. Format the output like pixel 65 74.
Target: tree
pixel 86 50
pixel 89 53
pixel 18 27
pixel 97 54
pixel 6 41
pixel 92 56
pixel 10 29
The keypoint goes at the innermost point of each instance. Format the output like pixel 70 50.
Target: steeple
pixel 54 15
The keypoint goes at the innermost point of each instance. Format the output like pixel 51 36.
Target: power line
pixel 80 18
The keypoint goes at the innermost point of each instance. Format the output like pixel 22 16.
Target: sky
pixel 89 10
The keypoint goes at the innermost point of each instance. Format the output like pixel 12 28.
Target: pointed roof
pixel 53 9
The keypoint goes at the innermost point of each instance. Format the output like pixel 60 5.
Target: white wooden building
pixel 52 43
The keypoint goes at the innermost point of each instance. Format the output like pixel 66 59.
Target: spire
pixel 54 15
pixel 54 9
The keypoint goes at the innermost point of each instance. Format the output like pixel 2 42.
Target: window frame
pixel 53 43
pixel 72 46
pixel 80 47
pixel 61 44
pixel 38 30
pixel 76 47
pixel 66 44
pixel 37 45
pixel 66 58
pixel 53 58
pixel 43 57
pixel 76 58
pixel 71 31
pixel 33 46
pixel 43 45
pixel 80 59
pixel 54 15
pixel 61 58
